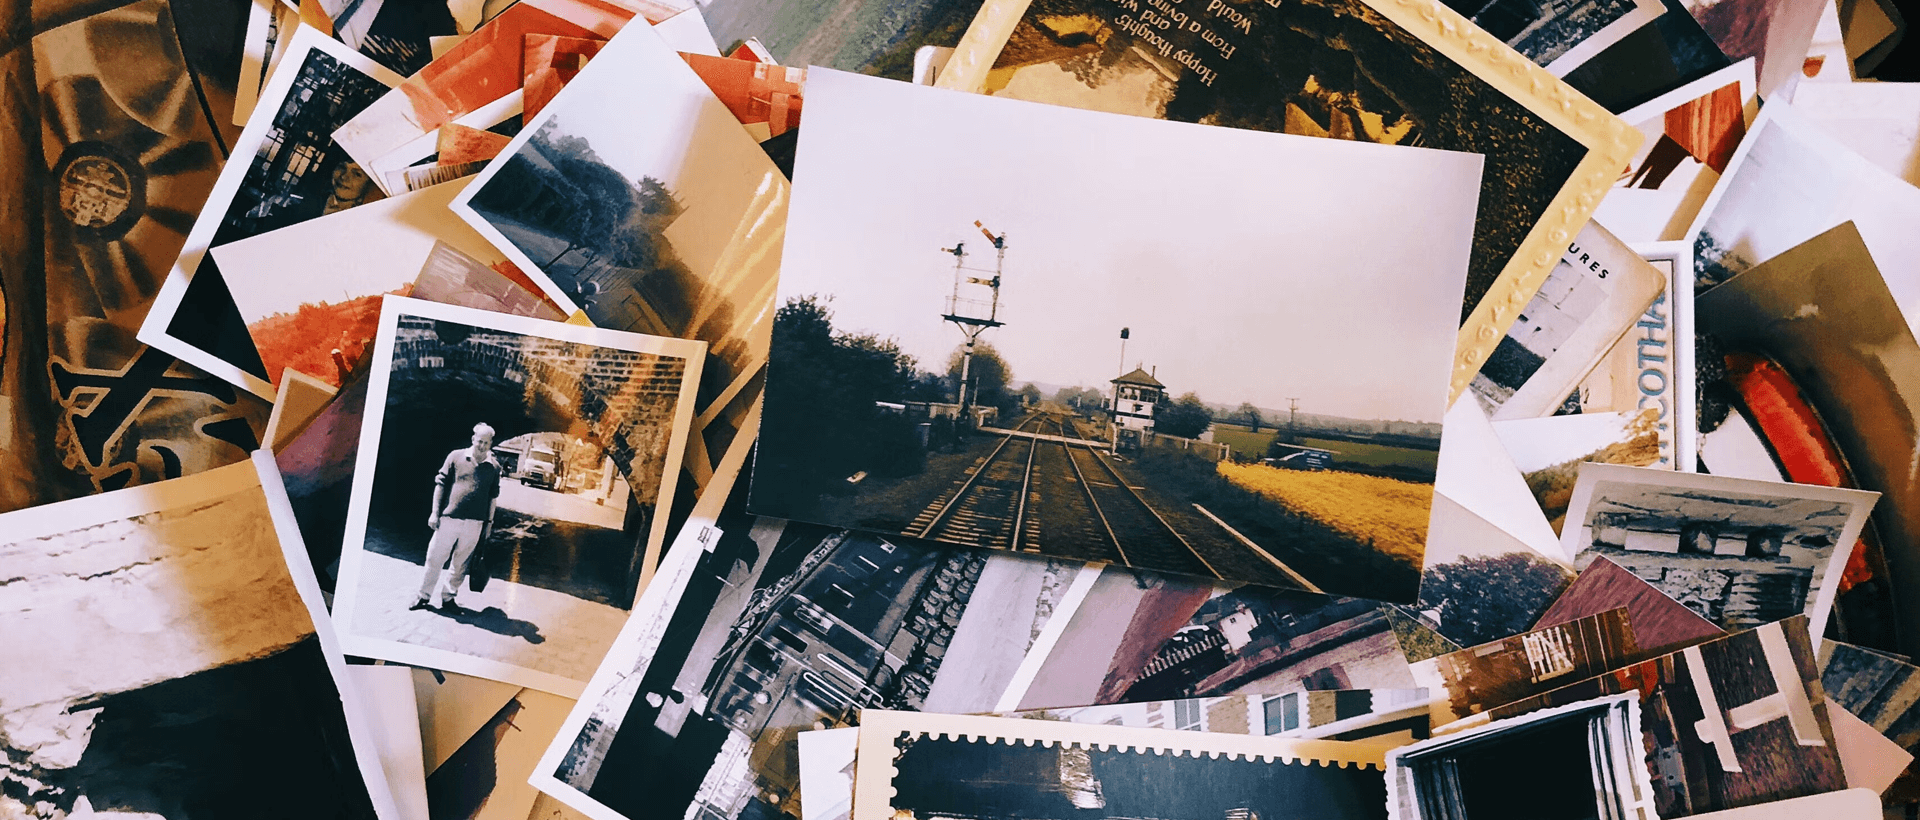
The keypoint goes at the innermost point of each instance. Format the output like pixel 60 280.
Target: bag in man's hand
pixel 479 572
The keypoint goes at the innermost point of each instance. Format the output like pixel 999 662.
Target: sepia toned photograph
pixel 927 766
pixel 613 213
pixel 1738 552
pixel 1047 374
pixel 166 658
pixel 1660 624
pixel 295 173
pixel 1731 722
pixel 508 491
pixel 779 628
pixel 1478 678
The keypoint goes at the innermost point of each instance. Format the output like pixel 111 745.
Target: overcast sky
pixel 1249 266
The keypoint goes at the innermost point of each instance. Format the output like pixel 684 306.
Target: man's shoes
pixel 450 605
pixel 420 603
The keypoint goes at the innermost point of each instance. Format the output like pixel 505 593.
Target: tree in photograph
pixel 988 377
pixel 1030 394
pixel 1186 417
pixel 1084 399
pixel 1249 415
pixel 1485 599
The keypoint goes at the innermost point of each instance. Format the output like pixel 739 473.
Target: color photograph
pixel 508 491
pixel 1045 374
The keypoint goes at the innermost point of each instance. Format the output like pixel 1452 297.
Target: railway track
pixel 1007 503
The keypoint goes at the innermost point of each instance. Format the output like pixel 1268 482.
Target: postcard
pixel 1546 759
pixel 168 652
pixel 756 629
pixel 310 293
pixel 1790 182
pixel 1731 722
pixel 928 765
pixel 1549 451
pixel 1492 561
pixel 486 777
pixel 295 173
pixel 1428 77
pixel 1690 134
pixel 1050 286
pixel 1650 61
pixel 301 398
pixel 1787 328
pixel 612 212
pixel 1479 678
pixel 542 453
pixel 1648 369
pixel 1591 299
pixel 481 69
pixel 1660 624
pixel 1738 552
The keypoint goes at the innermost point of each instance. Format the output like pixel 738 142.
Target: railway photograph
pixel 1049 376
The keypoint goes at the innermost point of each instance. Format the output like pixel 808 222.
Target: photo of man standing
pixel 465 493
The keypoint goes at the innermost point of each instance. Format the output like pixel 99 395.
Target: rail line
pixel 990 507
pixel 1154 539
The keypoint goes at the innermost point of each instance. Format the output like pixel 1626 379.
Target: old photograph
pixel 878 37
pixel 1549 451
pixel 1591 298
pixel 780 628
pixel 1558 35
pixel 1731 722
pixel 1690 135
pixel 1536 766
pixel 1648 369
pixel 1651 60
pixel 1398 74
pixel 1478 678
pixel 294 172
pixel 1332 714
pixel 661 216
pixel 508 490
pixel 1790 326
pixel 165 658
pixel 310 293
pixel 988 371
pixel 1884 691
pixel 1739 552
pixel 1660 624
pixel 927 766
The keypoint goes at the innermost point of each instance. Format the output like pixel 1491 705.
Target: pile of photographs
pixel 497 409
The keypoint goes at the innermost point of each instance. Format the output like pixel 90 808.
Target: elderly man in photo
pixel 465 492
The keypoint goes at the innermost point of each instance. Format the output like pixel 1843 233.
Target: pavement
pixel 516 624
pixel 579 509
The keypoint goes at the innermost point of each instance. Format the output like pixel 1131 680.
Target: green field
pixel 1249 445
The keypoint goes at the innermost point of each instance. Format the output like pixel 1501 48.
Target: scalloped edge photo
pixel 880 729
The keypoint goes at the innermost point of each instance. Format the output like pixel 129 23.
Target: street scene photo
pixel 1047 376
pixel 510 514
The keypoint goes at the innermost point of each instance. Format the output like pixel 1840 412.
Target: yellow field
pixel 1392 514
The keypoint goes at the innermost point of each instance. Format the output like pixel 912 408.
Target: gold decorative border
pixel 1609 140
pixel 879 728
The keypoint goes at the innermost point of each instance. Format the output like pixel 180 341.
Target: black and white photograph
pixel 1395 73
pixel 928 766
pixel 1533 766
pixel 168 655
pixel 767 629
pixel 295 173
pixel 1739 552
pixel 508 491
pixel 1594 294
pixel 658 216
pixel 1330 714
pixel 1884 691
pixel 1046 374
